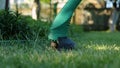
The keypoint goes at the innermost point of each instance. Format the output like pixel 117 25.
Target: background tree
pixel 36 9
pixel 46 1
pixel 7 5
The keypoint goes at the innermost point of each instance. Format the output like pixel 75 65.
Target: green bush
pixel 15 26
pixel 12 25
pixel 39 29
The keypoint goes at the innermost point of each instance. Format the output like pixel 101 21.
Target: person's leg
pixel 60 25
pixel 114 19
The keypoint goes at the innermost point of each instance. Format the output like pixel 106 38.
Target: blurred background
pixel 92 15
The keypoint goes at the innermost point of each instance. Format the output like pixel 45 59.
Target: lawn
pixel 93 50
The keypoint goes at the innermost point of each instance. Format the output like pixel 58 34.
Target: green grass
pixel 93 50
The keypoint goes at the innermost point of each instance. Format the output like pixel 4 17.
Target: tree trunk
pixel 36 10
pixel 7 5
pixel 55 9
pixel 50 11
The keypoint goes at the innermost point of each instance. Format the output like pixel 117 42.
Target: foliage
pixel 39 28
pixel 12 24
pixel 15 26
pixel 46 1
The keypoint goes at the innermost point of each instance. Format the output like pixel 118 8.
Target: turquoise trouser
pixel 60 25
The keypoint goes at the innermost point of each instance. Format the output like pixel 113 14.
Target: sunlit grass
pixel 93 50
